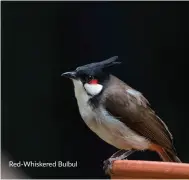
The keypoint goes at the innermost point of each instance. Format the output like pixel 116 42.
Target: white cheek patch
pixel 93 89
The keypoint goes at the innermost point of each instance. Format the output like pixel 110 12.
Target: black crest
pixel 100 65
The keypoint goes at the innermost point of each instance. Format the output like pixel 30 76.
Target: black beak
pixel 71 75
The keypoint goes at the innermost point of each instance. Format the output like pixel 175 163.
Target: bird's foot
pixel 108 164
pixel 116 156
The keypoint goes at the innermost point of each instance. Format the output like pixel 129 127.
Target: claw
pixel 109 162
pixel 108 165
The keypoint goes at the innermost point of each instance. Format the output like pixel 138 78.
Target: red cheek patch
pixel 93 81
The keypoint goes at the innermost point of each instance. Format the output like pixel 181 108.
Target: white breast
pixel 107 127
pixel 82 99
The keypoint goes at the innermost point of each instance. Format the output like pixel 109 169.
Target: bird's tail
pixel 168 156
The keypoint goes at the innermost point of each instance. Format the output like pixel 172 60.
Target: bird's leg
pixel 119 155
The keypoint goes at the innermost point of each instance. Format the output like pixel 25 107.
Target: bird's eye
pixel 90 78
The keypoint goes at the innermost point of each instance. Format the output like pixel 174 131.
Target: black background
pixel 40 119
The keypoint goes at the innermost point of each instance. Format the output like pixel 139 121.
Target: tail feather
pixel 168 156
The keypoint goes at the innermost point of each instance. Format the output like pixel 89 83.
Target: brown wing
pixel 133 109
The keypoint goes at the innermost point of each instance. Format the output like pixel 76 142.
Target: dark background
pixel 40 119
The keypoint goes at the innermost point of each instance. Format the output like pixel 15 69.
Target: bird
pixel 119 114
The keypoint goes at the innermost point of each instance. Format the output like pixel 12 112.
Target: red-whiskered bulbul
pixel 119 114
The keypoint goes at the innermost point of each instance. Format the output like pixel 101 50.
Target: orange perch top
pixel 125 169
